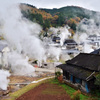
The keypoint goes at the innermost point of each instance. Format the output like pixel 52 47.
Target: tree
pixel 39 18
pixel 46 24
pixel 73 26
pixel 60 20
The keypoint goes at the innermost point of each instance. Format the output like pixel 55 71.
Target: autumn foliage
pixel 47 19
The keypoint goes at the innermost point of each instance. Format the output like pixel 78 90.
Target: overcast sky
pixel 89 4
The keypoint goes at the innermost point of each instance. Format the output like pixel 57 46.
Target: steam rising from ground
pixel 19 64
pixel 3 79
pixel 85 28
pixel 22 38
pixel 62 32
pixel 55 52
pixel 65 34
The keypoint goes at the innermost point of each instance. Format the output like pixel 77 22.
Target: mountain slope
pixel 71 11
pixel 70 15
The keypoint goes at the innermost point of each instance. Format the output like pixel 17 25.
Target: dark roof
pixel 96 51
pixel 70 41
pixel 76 71
pixel 90 36
pixel 87 61
pixel 56 38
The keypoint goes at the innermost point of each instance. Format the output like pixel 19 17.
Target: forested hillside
pixel 70 15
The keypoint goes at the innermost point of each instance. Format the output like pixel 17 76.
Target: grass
pixel 69 90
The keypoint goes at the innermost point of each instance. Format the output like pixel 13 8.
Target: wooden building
pixel 70 44
pixel 81 70
pixel 56 39
pixel 94 40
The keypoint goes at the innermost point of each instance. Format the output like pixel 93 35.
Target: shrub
pixel 76 95
pixel 57 74
pixel 60 78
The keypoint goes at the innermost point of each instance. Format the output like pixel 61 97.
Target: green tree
pixel 46 24
pixel 39 19
pixel 60 20
pixel 73 26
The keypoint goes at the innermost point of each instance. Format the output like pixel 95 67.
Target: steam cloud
pixel 85 28
pixel 55 52
pixel 3 79
pixel 22 38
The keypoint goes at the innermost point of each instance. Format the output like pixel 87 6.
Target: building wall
pixel 81 84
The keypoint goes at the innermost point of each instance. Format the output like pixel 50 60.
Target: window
pixel 77 80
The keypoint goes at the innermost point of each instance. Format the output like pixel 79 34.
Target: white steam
pixel 54 52
pixel 3 79
pixel 64 35
pixel 85 28
pixel 20 65
pixel 62 32
pixel 22 38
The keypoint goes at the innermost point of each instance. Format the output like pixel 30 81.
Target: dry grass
pixel 21 79
pixel 15 95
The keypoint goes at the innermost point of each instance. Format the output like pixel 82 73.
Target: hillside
pixel 70 15
pixel 71 11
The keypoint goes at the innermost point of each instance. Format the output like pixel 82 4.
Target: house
pixel 81 71
pixel 70 47
pixel 56 39
pixel 92 37
pixel 70 44
pixel 94 40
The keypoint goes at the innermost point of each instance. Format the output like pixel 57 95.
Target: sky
pixel 89 4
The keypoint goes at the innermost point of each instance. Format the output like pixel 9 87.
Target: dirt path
pixel 46 91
